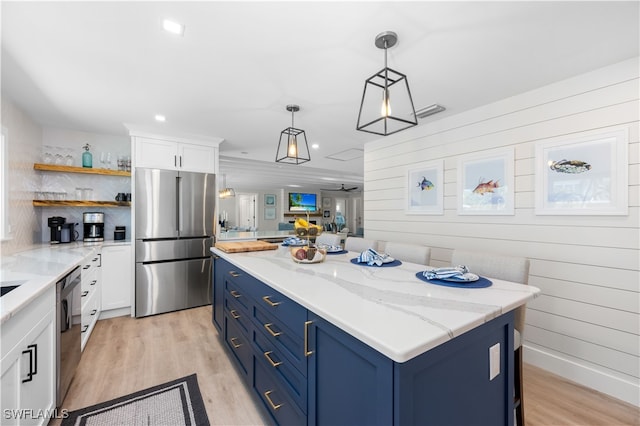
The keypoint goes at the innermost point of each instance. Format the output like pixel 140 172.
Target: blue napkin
pixel 372 257
pixel 328 247
pixel 294 241
pixel 456 272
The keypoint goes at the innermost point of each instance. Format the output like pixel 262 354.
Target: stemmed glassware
pixel 105 158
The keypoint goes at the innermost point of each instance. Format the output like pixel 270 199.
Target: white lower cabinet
pixel 28 381
pixel 116 281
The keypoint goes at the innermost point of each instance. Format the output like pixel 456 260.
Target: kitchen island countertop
pixel 388 308
pixel 253 235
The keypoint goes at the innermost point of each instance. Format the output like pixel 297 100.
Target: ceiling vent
pixel 430 110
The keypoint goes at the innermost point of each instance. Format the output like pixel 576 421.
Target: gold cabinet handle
pixel 234 314
pixel 307 352
pixel 271 361
pixel 274 406
pixel 236 346
pixel 235 294
pixel 273 333
pixel 269 302
pixel 234 274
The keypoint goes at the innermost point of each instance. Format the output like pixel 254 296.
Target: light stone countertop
pixel 38 268
pixel 388 308
pixel 252 235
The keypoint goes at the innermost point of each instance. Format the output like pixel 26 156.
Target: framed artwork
pixel 425 188
pixel 269 200
pixel 326 202
pixel 583 175
pixel 326 213
pixel 269 213
pixel 485 183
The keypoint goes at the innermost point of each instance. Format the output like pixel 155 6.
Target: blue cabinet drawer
pixel 237 315
pixel 276 400
pixel 239 346
pixel 282 308
pixel 236 292
pixel 288 377
pixel 283 338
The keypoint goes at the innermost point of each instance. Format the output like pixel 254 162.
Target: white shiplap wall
pixel 586 324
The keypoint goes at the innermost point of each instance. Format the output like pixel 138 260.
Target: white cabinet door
pixel 28 375
pixel 117 275
pixel 197 158
pixel 156 153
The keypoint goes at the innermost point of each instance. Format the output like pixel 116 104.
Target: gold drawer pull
pixel 236 346
pixel 234 274
pixel 234 314
pixel 273 333
pixel 235 294
pixel 269 302
pixel 307 352
pixel 271 361
pixel 274 406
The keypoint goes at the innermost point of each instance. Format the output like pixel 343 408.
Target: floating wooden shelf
pixel 80 203
pixel 73 169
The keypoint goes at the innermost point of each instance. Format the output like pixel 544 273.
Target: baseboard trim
pixel 112 313
pixel 613 386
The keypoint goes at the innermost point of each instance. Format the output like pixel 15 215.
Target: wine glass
pixel 103 158
pixel 108 160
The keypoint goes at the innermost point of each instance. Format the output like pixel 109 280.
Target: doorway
pixel 246 208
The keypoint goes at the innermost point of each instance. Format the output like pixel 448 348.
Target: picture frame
pixel 486 183
pixel 326 202
pixel 326 214
pixel 584 174
pixel 269 213
pixel 269 200
pixel 425 188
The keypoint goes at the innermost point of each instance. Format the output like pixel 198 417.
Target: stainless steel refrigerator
pixel 174 229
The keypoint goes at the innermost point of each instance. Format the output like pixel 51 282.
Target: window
pixel 4 185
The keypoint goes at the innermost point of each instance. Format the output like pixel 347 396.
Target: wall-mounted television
pixel 302 202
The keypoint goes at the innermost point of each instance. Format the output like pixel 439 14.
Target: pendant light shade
pixel 293 147
pixel 226 192
pixel 387 105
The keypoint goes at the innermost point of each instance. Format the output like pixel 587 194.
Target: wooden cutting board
pixel 243 246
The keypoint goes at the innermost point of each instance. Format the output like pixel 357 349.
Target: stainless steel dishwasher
pixel 68 335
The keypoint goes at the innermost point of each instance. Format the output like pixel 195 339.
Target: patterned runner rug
pixel 171 404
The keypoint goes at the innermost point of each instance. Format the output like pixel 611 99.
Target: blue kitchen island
pixel 335 343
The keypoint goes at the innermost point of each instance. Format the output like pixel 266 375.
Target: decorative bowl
pixel 317 255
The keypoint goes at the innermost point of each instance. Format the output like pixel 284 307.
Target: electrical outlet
pixel 494 361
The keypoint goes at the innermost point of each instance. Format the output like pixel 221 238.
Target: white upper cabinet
pixel 175 153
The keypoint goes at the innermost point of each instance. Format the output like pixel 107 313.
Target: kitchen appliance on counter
pixel 174 219
pixel 93 223
pixel 68 233
pixel 55 223
pixel 120 233
pixel 68 334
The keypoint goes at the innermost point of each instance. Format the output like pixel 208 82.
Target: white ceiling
pixel 93 66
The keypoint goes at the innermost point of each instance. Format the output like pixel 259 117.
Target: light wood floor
pixel 125 355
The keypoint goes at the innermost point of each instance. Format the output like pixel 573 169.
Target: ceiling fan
pixel 342 188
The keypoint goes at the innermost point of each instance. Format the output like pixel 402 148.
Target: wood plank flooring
pixel 125 355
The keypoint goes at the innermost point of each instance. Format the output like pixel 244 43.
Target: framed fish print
pixel 583 175
pixel 269 200
pixel 425 188
pixel 269 213
pixel 485 183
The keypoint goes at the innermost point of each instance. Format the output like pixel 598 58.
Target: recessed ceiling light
pixel 161 118
pixel 294 186
pixel 173 27
pixel 315 146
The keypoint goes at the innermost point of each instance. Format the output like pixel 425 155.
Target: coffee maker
pixel 56 223
pixel 93 226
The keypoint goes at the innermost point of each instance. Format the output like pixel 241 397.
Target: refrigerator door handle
pixel 178 204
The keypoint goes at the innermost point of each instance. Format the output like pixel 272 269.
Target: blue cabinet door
pixel 349 382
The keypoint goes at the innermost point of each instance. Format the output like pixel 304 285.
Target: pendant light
pixel 293 147
pixel 226 192
pixel 387 106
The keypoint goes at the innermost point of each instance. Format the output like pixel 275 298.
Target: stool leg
pixel 518 386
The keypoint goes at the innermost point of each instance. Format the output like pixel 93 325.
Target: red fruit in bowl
pixel 301 254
